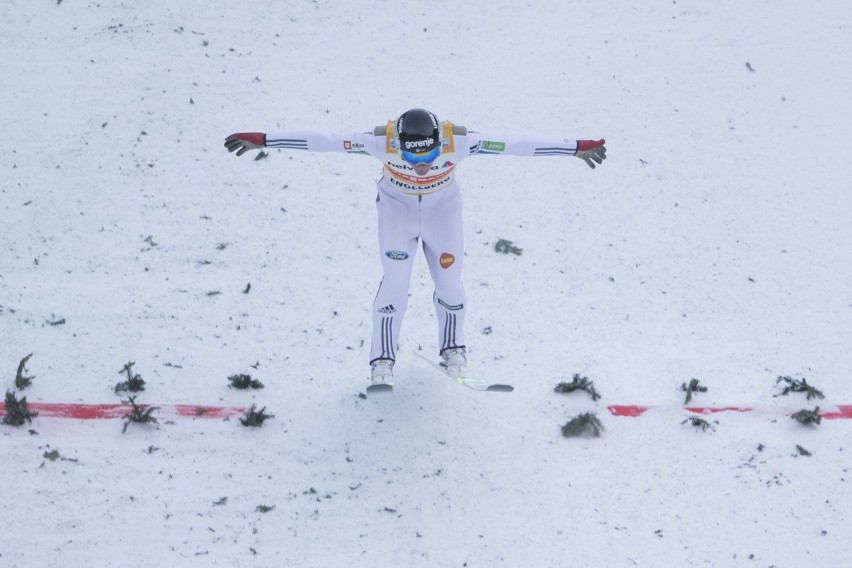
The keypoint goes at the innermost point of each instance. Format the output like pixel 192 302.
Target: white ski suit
pixel 413 208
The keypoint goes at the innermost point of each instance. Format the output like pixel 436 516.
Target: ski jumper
pixel 413 208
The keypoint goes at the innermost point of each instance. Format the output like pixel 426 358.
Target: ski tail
pixel 473 383
pixel 380 388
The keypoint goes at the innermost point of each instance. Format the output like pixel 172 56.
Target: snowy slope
pixel 714 243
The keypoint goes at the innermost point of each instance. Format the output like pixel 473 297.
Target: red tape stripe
pixel 106 411
pixel 632 410
pixel 112 411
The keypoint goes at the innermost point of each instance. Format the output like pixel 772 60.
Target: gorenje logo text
pixel 409 144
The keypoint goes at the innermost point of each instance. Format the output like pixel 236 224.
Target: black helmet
pixel 418 131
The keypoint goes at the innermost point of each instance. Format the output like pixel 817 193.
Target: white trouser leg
pixel 398 234
pixel 442 232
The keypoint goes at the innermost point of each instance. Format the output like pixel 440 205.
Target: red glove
pixel 242 142
pixel 589 150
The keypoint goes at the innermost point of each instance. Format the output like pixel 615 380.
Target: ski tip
pixel 500 388
pixel 380 388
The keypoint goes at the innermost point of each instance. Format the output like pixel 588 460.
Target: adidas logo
pixel 389 309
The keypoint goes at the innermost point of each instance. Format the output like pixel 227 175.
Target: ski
pixel 473 383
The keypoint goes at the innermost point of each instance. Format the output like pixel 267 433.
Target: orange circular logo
pixel 447 260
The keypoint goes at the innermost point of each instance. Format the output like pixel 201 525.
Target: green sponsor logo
pixel 493 146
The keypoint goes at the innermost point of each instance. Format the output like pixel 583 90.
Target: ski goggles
pixel 424 158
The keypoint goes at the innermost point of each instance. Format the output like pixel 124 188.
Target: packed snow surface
pixel 714 243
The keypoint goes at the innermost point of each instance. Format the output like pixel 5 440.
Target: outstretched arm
pixel 353 143
pixel 587 150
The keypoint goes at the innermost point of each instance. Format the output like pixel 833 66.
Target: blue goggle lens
pixel 425 158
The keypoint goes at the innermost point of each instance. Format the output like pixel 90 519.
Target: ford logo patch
pixel 396 255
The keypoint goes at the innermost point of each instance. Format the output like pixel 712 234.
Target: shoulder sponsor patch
pixel 448 142
pixel 491 146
